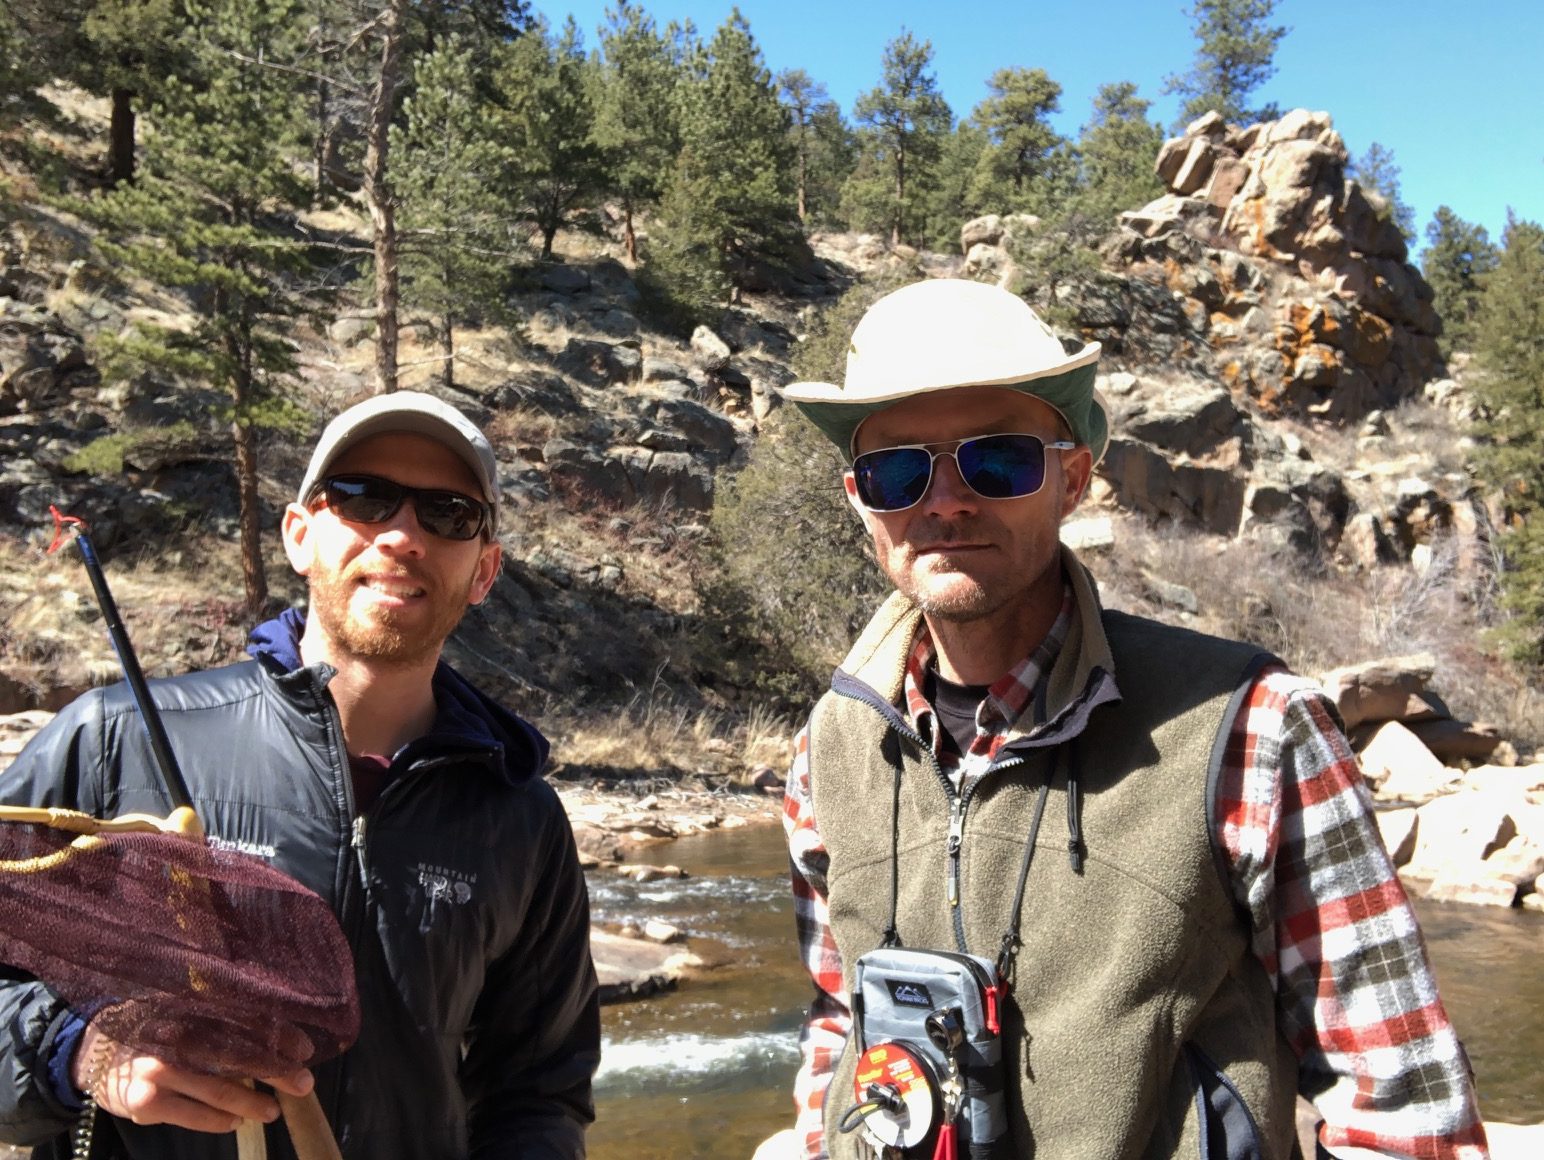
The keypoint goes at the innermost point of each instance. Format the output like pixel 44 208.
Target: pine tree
pixel 1235 58
pixel 730 211
pixel 548 127
pixel 1457 258
pixel 1016 171
pixel 453 227
pixel 20 69
pixel 902 126
pixel 637 111
pixel 1118 154
pixel 822 145
pixel 952 196
pixel 123 50
pixel 1509 352
pixel 212 214
pixel 1376 172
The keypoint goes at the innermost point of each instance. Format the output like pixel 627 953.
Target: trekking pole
pixel 171 774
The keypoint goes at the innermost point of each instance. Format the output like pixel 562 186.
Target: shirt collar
pixel 1008 697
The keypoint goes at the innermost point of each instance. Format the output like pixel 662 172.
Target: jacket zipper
pixel 348 912
pixel 958 805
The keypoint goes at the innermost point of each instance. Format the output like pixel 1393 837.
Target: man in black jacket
pixel 351 757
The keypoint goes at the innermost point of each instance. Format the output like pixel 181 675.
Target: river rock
pixel 1455 834
pixel 782 1145
pixel 659 931
pixel 646 873
pixel 1520 861
pixel 636 968
pixel 1457 885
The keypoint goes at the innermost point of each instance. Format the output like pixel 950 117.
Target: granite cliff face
pixel 1264 302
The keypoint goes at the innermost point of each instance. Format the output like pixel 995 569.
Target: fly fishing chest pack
pixel 929 1079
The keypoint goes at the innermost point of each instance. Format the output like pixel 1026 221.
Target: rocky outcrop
pixel 1264 289
pixel 1295 277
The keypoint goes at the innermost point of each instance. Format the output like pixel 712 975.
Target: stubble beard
pixel 386 637
pixel 959 604
pixel 966 598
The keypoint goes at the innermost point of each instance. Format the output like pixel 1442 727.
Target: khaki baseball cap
pixel 415 413
pixel 944 333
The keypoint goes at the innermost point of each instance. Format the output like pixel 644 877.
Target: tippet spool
pixel 905 1071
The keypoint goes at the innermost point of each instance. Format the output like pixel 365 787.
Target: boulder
pixel 599 364
pixel 709 351
pixel 981 231
pixel 1143 478
pixel 1089 534
pixel 1457 741
pixel 703 429
pixel 1398 827
pixel 1382 690
pixel 1400 766
pixel 1480 889
pixel 1520 861
pixel 1455 833
pixel 567 280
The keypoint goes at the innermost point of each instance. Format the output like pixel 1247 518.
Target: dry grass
pixel 658 735
pixel 182 610
pixel 1317 621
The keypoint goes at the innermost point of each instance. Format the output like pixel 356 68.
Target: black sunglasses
pixel 369 499
pixel 893 479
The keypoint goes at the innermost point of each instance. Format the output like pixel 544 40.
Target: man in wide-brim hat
pixel 1159 838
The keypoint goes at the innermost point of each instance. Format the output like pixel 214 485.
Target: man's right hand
pixel 147 1090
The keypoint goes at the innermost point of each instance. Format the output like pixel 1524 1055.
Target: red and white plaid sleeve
pixel 830 1017
pixel 1334 927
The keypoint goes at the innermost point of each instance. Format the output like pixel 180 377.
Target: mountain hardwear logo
pixel 443 884
pixel 906 993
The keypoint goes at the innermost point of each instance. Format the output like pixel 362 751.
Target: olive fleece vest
pixel 1139 1023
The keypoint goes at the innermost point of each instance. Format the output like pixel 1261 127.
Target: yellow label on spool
pixel 892 1066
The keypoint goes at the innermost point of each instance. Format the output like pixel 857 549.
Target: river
pixel 706 1071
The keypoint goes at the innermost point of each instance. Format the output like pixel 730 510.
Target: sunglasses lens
pixel 892 479
pixel 363 499
pixel 1002 466
pixel 449 515
pixel 368 499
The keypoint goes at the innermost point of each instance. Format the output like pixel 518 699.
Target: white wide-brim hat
pixel 944 333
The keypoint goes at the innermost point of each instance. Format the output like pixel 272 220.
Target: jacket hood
pixel 466 716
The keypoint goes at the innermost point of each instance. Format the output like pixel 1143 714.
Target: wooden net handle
pixel 308 1127
pixel 182 821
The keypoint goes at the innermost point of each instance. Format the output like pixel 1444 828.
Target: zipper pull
pixel 357 841
pixel 956 839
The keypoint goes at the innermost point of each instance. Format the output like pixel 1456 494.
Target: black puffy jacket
pixel 459 891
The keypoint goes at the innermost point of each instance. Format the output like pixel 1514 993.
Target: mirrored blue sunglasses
pixel 893 479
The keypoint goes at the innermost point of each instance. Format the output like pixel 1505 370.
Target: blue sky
pixel 1454 89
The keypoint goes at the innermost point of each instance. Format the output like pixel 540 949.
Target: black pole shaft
pixel 171 775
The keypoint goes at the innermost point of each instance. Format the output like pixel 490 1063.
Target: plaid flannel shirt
pixel 1331 923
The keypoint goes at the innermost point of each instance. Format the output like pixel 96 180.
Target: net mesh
pixel 208 959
